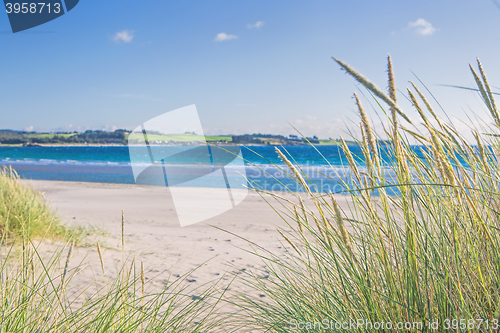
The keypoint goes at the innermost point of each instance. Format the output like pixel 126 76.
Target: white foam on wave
pixel 44 161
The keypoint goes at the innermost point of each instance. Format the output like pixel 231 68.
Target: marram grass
pixel 24 211
pixel 37 293
pixel 430 254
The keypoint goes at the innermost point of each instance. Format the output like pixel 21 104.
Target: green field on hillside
pixel 186 137
pixel 48 135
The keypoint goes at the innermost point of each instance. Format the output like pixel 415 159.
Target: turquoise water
pixel 113 165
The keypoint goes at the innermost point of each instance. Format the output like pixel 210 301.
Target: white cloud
pixel 109 128
pixel 124 36
pixel 71 128
pixel 65 128
pixel 307 125
pixel 29 129
pixel 257 25
pixel 223 36
pixel 422 27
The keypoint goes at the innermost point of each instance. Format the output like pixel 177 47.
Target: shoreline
pixel 36 183
pixel 156 145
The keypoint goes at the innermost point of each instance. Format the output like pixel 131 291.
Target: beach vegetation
pixel 413 240
pixel 38 294
pixel 24 211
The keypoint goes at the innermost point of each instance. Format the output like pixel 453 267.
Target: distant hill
pixel 121 136
pixel 91 137
pixel 11 131
pixel 156 138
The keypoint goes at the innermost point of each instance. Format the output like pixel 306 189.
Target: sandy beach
pixel 153 234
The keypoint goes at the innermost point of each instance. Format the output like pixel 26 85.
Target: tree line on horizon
pixel 120 136
pixel 89 136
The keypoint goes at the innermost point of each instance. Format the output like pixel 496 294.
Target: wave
pixel 307 169
pixel 45 161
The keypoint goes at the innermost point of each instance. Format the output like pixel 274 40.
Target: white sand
pixel 153 234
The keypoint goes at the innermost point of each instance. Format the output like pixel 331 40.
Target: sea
pixel 259 167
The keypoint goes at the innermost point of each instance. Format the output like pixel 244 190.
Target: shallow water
pixel 326 166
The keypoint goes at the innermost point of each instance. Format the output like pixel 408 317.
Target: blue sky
pixel 115 64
